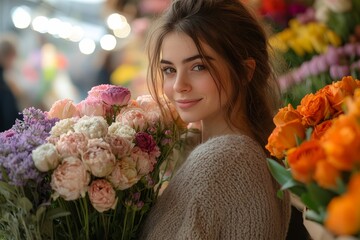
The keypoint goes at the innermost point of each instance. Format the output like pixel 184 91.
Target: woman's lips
pixel 184 104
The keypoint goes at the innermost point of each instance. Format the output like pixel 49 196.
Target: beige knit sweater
pixel 223 191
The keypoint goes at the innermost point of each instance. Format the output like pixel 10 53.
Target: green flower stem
pixel 84 207
pixel 105 224
pixel 123 237
pixel 133 213
pixel 27 233
pixel 63 204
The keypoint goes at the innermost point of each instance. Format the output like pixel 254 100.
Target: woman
pixel 9 110
pixel 210 58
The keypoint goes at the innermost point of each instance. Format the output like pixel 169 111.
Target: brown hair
pixel 229 28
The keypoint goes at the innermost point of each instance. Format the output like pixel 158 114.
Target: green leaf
pixel 40 213
pixel 320 195
pixel 309 202
pixel 57 213
pixel 284 178
pixel 7 189
pixel 281 174
pixel 24 203
pixel 308 133
pixel 340 186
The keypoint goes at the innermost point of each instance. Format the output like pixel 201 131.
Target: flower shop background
pixel 315 43
pixel 103 42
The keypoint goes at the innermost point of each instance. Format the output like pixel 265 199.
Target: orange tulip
pixel 320 129
pixel 354 185
pixel 353 104
pixel 326 174
pixel 337 91
pixel 314 108
pixel 341 143
pixel 303 160
pixel 343 215
pixel 286 114
pixel 284 137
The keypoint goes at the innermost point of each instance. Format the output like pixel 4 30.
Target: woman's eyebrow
pixel 186 60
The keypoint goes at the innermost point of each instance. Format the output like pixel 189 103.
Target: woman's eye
pixel 199 68
pixel 168 70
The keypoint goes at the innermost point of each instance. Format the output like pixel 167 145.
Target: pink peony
pixel 116 95
pixel 71 144
pixel 120 146
pixel 133 117
pixel 144 161
pixel 102 195
pixel 150 107
pixel 145 141
pixel 124 174
pixel 62 109
pixel 70 179
pixel 147 103
pixel 96 91
pixel 98 157
pixel 91 107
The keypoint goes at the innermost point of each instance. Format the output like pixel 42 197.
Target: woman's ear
pixel 250 66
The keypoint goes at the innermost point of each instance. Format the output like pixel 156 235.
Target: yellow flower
pixel 333 38
pixel 296 46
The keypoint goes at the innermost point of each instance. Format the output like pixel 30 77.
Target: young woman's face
pixel 188 82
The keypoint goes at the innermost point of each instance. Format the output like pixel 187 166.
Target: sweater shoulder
pixel 229 147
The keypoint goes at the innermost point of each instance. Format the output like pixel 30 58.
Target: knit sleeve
pixel 232 195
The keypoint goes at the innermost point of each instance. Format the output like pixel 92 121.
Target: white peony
pixel 45 157
pixel 122 130
pixel 92 127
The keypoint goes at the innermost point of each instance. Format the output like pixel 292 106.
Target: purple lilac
pixel 18 143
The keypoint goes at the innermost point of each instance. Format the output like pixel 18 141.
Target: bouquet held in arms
pixel 105 159
pixel 317 151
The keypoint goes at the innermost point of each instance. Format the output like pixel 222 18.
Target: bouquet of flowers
pixel 105 160
pixel 319 144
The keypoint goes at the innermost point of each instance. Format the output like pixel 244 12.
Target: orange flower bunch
pixel 315 111
pixel 319 142
pixel 342 145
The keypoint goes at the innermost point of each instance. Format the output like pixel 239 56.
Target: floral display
pixel 316 147
pixel 342 16
pixel 301 41
pixel 319 46
pixel 321 70
pixel 104 161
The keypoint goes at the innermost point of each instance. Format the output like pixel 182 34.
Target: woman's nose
pixel 182 83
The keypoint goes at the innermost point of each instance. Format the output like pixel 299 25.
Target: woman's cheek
pixel 169 89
